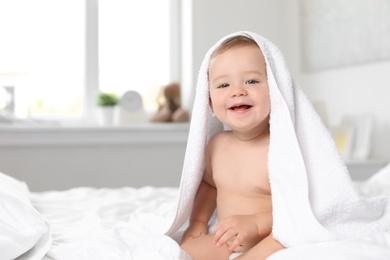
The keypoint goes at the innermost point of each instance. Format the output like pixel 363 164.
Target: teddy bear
pixel 170 109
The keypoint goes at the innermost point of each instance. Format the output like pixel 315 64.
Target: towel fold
pixel 312 193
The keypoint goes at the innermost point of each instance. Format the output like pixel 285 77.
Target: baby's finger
pixel 227 222
pixel 219 231
pixel 236 243
pixel 225 237
pixel 220 225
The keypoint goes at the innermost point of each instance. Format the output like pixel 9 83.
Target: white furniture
pixel 362 170
pixel 49 158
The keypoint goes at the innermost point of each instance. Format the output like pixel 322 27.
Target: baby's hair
pixel 235 41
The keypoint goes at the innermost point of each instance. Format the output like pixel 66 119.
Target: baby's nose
pixel 237 91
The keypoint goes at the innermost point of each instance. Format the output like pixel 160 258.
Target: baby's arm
pixel 205 203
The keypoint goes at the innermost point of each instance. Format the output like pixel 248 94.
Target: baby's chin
pixel 250 130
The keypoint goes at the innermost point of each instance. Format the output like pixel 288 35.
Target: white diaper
pixel 234 255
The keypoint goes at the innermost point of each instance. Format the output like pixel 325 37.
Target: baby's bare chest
pixel 242 171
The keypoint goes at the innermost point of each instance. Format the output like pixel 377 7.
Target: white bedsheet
pixel 127 223
pixel 124 223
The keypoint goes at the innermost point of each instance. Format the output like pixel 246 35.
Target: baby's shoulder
pixel 221 137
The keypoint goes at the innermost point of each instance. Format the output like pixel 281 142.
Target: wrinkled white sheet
pixel 127 223
pixel 123 223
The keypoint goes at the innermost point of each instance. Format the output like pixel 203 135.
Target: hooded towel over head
pixel 312 194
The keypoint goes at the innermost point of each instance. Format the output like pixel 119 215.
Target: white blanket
pixel 312 193
pixel 124 223
pixel 127 224
pixel 24 232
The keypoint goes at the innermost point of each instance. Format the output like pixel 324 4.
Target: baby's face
pixel 239 94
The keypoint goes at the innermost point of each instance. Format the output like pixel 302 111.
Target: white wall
pixel 362 89
pixel 63 167
pixel 51 158
pixel 354 90
pixel 211 20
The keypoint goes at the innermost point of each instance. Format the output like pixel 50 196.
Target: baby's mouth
pixel 242 107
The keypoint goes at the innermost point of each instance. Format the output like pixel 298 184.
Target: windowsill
pixel 361 170
pixel 47 135
pixel 367 162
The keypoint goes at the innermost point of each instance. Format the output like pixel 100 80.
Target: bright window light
pixel 43 50
pixel 42 56
pixel 134 47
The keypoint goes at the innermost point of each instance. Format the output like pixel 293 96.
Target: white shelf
pixel 94 135
pixel 362 170
pixel 370 161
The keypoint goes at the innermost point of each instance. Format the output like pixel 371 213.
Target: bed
pixel 128 223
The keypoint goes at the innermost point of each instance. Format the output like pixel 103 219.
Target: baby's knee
pixel 188 248
pixel 203 248
pixel 191 247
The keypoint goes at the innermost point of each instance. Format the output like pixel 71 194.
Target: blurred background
pixel 56 56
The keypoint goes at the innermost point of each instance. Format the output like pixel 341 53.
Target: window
pixel 134 47
pixel 42 56
pixel 57 54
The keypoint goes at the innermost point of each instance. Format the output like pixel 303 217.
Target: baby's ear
pixel 211 106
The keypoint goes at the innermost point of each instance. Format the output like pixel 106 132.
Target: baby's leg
pixel 203 248
pixel 262 250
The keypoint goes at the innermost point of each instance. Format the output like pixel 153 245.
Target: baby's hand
pixel 239 228
pixel 196 229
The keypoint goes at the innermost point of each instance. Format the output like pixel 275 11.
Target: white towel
pixel 312 193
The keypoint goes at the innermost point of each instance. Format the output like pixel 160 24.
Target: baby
pixel 235 179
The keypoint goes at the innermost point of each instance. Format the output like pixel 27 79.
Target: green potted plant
pixel 106 103
pixel 106 99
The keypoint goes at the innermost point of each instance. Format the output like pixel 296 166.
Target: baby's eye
pixel 252 81
pixel 223 85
